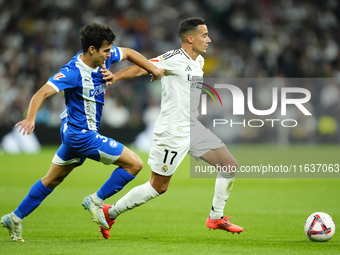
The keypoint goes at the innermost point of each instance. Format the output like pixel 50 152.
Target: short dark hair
pixel 188 25
pixel 94 34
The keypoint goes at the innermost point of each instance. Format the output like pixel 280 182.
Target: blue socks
pixel 38 192
pixel 118 179
pixel 35 196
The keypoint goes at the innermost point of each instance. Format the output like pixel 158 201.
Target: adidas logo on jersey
pixel 188 68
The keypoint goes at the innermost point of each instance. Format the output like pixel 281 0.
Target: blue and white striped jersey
pixel 84 90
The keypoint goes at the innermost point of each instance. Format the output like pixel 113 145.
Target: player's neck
pixel 190 51
pixel 86 58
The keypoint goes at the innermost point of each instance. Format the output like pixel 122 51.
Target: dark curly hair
pixel 95 35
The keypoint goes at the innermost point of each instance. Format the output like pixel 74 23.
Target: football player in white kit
pixel 177 130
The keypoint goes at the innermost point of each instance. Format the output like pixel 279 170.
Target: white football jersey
pixel 181 92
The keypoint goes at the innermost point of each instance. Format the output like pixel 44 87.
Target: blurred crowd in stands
pixel 250 39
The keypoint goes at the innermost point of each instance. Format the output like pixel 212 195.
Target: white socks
pixel 223 186
pixel 15 218
pixel 135 197
pixel 145 192
pixel 97 200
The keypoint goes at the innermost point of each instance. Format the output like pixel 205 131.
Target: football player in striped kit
pixel 82 81
pixel 177 130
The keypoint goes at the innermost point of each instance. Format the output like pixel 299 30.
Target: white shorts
pixel 168 151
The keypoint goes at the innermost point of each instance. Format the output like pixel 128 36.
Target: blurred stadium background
pixel 250 39
pixel 262 38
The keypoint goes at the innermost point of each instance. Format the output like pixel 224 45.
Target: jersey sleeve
pixel 116 55
pixel 168 64
pixel 66 78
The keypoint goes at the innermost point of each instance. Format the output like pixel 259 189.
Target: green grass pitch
pixel 272 211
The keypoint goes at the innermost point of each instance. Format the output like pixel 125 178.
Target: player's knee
pixel 230 163
pixel 135 167
pixel 234 163
pixel 138 165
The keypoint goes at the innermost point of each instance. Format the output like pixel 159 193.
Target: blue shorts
pixel 78 145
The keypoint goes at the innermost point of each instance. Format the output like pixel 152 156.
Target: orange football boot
pixel 223 224
pixel 106 232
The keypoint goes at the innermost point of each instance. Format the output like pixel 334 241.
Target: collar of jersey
pixel 188 55
pixel 86 66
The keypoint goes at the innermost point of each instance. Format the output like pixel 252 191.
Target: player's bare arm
pixel 140 60
pixel 127 73
pixel 130 72
pixel 28 124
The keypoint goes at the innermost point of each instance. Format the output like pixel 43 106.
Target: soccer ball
pixel 319 227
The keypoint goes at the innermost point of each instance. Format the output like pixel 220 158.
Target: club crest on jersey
pixel 113 144
pixel 164 169
pixel 58 76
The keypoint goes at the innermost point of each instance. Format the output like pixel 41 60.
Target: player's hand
pixel 158 74
pixel 107 76
pixel 27 126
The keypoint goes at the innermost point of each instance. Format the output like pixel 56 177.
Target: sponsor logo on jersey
pixel 164 169
pixel 58 76
pixel 194 77
pixel 97 91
